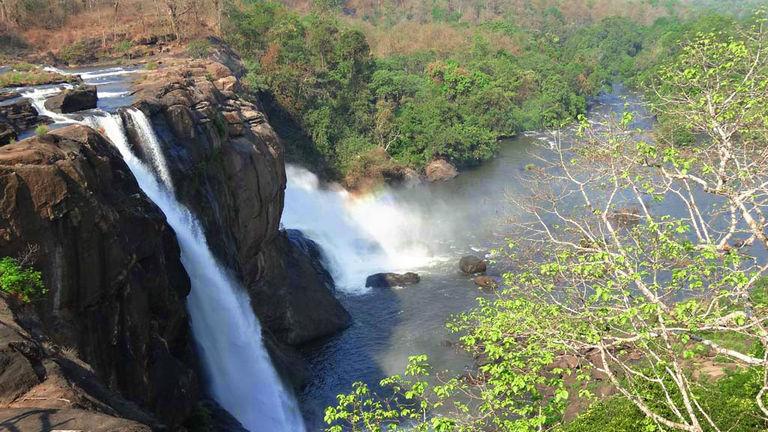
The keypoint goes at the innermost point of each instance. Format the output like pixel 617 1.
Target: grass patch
pixel 25 74
pixel 41 130
pixel 199 48
pixel 76 53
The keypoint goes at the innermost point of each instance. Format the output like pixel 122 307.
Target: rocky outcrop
pixel 301 306
pixel 40 380
pixel 440 170
pixel 8 95
pixel 73 100
pixel 110 262
pixel 471 264
pixel 17 117
pixel 35 419
pixel 390 280
pixel 227 165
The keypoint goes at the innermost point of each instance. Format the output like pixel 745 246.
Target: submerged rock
pixel 72 100
pixel 471 264
pixel 389 280
pixel 486 282
pixel 440 170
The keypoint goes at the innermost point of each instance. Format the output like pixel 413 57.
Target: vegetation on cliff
pixel 20 281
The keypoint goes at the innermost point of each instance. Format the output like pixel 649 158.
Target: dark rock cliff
pixel 111 264
pixel 227 165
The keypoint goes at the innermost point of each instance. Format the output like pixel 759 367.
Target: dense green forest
pixel 361 114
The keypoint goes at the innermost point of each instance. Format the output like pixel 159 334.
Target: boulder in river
pixel 72 100
pixel 486 282
pixel 471 264
pixel 21 115
pixel 440 170
pixel 388 280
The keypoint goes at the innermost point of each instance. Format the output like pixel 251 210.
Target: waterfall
pixel 360 235
pixel 151 146
pixel 228 335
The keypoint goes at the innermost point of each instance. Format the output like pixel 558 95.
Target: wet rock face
pixel 227 166
pixel 302 306
pixel 73 100
pixel 110 262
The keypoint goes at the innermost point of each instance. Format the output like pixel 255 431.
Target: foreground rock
pixel 389 280
pixel 7 133
pixel 72 100
pixel 111 263
pixel 440 170
pixel 34 419
pixel 303 307
pixel 471 264
pixel 227 166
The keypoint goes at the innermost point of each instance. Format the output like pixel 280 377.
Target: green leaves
pixel 24 283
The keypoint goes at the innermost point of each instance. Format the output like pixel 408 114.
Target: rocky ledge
pixel 112 334
pixel 227 165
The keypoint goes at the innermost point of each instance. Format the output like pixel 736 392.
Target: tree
pixel 635 267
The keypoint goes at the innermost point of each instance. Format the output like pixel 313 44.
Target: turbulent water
pixel 359 235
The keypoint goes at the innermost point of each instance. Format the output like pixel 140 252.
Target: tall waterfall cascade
pixel 228 336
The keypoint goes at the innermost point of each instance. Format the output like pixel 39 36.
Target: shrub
pixel 24 283
pixel 41 130
pixel 122 47
pixel 76 53
pixel 199 48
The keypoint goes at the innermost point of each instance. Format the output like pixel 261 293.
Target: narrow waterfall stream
pixel 238 370
pixel 228 335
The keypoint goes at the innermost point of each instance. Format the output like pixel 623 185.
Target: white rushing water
pixel 228 335
pixel 359 235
